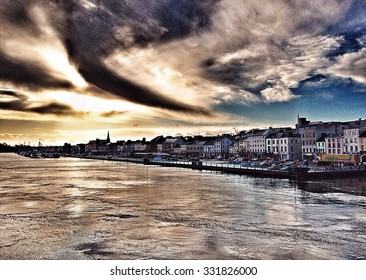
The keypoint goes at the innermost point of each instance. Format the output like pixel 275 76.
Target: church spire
pixel 108 139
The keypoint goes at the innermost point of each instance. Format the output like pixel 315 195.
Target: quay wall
pixel 294 173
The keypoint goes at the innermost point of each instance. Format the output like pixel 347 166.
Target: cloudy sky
pixel 71 70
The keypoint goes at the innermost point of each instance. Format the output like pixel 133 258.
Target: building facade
pixel 209 149
pixel 311 131
pixel 257 142
pixel 352 141
pixel 221 146
pixel 196 149
pixel 334 144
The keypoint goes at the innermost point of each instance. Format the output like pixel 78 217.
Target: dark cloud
pixel 103 78
pixel 20 102
pixel 113 114
pixel 181 18
pixel 28 75
pixel 16 13
pixel 90 34
pixel 121 24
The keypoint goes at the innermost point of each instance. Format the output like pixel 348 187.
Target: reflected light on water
pixel 87 209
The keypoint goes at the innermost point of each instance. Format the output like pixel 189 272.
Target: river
pixel 88 209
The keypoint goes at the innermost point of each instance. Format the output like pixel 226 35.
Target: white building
pixel 209 149
pixel 272 144
pixel 334 144
pixel 234 148
pixel 285 146
pixel 290 147
pixel 257 141
pixel 243 145
pixel 352 141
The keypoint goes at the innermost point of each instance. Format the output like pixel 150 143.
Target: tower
pixel 108 139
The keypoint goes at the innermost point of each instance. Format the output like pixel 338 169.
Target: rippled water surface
pixel 87 209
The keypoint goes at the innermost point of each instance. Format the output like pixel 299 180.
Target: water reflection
pixel 84 209
pixel 353 186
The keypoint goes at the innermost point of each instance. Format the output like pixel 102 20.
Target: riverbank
pixel 293 172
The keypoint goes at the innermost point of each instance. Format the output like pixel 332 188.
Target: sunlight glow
pixel 94 104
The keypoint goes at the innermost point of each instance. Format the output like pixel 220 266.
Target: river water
pixel 87 209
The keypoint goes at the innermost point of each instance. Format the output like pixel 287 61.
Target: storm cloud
pixel 16 101
pixel 91 30
pixel 184 56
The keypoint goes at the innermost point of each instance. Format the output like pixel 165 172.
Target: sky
pixel 72 70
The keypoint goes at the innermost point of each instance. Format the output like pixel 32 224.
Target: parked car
pixel 285 168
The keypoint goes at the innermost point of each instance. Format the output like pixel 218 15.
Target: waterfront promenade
pixel 293 172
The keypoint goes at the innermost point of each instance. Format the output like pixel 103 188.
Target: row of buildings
pixel 306 141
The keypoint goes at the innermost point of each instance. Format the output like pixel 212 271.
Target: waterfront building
pixel 352 141
pixel 170 143
pixel 231 151
pixel 98 146
pixel 272 143
pixel 140 146
pixel 284 145
pixel 154 143
pixel 257 141
pixel 196 149
pixel 243 146
pixel 121 146
pixel 222 145
pixel 181 149
pixel 209 148
pixel 363 147
pixel 320 145
pixel 236 147
pixel 290 146
pixel 363 142
pixel 80 149
pixel 311 131
pixel 334 144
